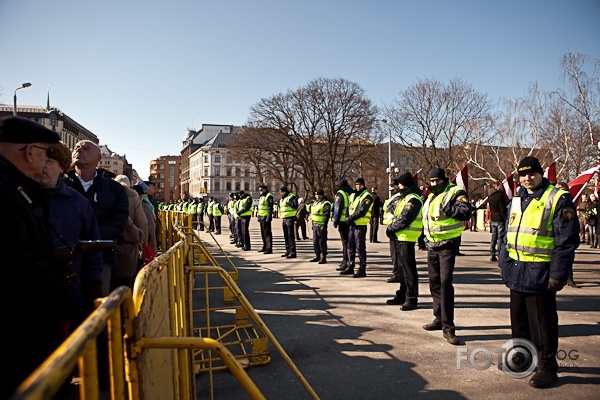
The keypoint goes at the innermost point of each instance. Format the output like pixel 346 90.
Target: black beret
pixel 283 189
pixel 320 192
pixel 343 183
pixel 528 165
pixel 22 130
pixel 262 186
pixel 360 180
pixel 241 193
pixel 437 173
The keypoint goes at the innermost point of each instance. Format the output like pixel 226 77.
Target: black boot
pixel 347 271
pixel 315 258
pixel 323 260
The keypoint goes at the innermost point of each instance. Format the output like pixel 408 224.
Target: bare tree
pixel 438 120
pixel 321 132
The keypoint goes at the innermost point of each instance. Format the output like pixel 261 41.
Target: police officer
pixel 405 228
pixel 288 204
pixel 265 216
pixel 209 213
pixel 231 204
pixel 536 257
pixel 359 216
pixel 340 213
pixel 444 214
pixel 217 214
pixel 320 211
pixel 389 207
pixel 244 212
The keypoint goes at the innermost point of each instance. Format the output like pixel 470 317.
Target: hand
pixel 351 222
pixel 555 284
pixel 335 225
pixel 389 233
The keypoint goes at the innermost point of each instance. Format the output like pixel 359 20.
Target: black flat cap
pixel 22 130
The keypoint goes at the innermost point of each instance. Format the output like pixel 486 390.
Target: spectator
pixel 592 221
pixel 71 220
pixel 149 213
pixel 36 296
pixel 375 216
pixel 107 197
pixel 301 217
pixel 132 240
pixel 582 207
pixel 497 204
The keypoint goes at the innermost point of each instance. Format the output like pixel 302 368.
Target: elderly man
pixel 536 253
pixel 36 294
pixel 108 199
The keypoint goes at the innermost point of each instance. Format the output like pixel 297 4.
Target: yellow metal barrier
pixel 158 339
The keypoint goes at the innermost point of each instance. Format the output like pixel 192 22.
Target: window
pixel 217 158
pixel 217 171
pixel 237 186
pixel 217 185
pixel 161 185
pixel 228 186
pixel 247 186
pixel 161 176
pixel 205 159
pixel 161 166
pixel 228 171
pixel 246 173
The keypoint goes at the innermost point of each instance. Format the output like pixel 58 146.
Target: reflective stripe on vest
pixel 316 211
pixel 216 210
pixel 344 213
pixel 388 215
pixel 209 208
pixel 530 234
pixel 287 211
pixel 412 233
pixel 354 203
pixel 263 205
pixel 438 226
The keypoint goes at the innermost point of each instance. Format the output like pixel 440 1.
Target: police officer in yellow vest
pixel 288 204
pixel 244 211
pixel 217 213
pixel 404 228
pixel 536 256
pixel 444 214
pixel 209 213
pixel 359 216
pixel 340 213
pixel 320 211
pixel 265 216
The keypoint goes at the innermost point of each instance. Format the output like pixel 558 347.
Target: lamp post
pixel 390 163
pixel 23 86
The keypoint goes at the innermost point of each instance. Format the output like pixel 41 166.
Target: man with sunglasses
pixel 39 296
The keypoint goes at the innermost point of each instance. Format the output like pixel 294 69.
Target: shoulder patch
pixel 512 218
pixel 568 213
pixel 367 201
pixel 463 199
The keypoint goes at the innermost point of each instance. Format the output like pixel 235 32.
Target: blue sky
pixel 140 73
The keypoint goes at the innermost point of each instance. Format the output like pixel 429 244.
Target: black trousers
pixel 320 239
pixel 245 226
pixel 397 268
pixel 211 223
pixel 201 221
pixel 239 239
pixel 409 278
pixel 301 228
pixel 266 235
pixel 289 235
pixel 217 224
pixel 357 244
pixel 534 317
pixel 440 267
pixel 373 229
pixel 344 231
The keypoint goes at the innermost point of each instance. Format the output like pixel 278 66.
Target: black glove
pixel 554 284
pixel 351 222
pixel 389 233
pixel 448 208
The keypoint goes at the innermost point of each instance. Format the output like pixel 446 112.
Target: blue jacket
pixel 532 277
pixel 73 219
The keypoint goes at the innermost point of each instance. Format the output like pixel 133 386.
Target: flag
pixel 597 191
pixel 577 185
pixel 508 186
pixel 550 173
pixel 462 178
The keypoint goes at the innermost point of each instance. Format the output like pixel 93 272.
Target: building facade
pixel 165 172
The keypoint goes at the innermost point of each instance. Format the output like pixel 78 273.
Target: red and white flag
pixel 597 191
pixel 577 185
pixel 509 186
pixel 462 178
pixel 550 173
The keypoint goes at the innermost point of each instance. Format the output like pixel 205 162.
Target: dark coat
pixel 36 295
pixel 109 202
pixel 498 204
pixel 338 205
pixel 532 277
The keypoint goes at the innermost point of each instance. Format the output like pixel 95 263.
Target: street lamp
pixel 23 86
pixel 390 163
